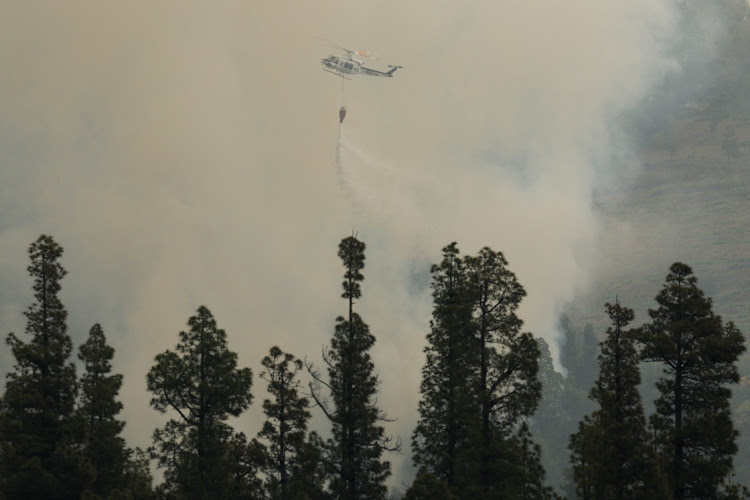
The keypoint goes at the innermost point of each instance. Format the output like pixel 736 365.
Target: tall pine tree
pixel 480 380
pixel 98 410
pixel 699 352
pixel 200 381
pixel 506 374
pixel 448 396
pixel 358 437
pixel 41 458
pixel 610 454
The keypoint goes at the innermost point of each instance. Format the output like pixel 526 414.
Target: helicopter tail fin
pixel 393 69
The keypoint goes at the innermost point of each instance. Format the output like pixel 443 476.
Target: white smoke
pixel 185 153
pixel 377 190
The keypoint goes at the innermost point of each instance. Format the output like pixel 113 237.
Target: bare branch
pixel 384 444
pixel 315 374
pixel 314 387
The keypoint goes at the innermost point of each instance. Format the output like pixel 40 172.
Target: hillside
pixel 690 203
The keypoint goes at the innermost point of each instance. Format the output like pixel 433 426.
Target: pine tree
pixel 427 486
pixel 480 379
pixel 692 424
pixel 358 436
pixel 137 481
pixel 525 460
pixel 584 458
pixel 245 462
pixel 41 457
pixel 310 474
pixel 448 396
pixel 506 376
pixel 586 365
pixel 285 428
pixel 578 354
pixel 610 455
pixel 98 410
pixel 201 382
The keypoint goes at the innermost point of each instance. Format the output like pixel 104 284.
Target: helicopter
pixel 345 66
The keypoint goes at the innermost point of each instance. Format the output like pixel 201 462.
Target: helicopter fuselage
pixel 346 66
pixel 342 65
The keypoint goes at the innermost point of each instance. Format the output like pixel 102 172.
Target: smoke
pixel 186 154
pixel 376 190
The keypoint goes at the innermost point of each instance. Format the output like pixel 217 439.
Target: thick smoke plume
pixel 186 153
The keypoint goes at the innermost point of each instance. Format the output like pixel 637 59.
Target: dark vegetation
pixel 492 405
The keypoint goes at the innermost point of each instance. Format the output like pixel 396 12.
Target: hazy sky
pixel 185 153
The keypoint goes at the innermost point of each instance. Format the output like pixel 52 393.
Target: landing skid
pixel 337 73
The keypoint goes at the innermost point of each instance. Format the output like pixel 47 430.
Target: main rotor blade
pixel 368 54
pixel 335 45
